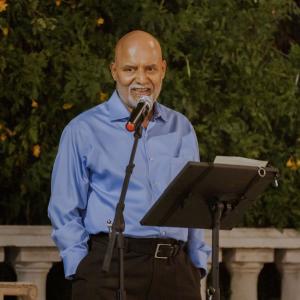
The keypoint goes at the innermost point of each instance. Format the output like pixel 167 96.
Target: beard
pixel 131 101
pixel 134 94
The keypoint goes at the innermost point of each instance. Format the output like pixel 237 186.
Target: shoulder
pixel 81 129
pixel 87 119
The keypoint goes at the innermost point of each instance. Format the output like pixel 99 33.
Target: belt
pixel 159 248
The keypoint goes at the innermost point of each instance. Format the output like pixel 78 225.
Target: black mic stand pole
pixel 118 225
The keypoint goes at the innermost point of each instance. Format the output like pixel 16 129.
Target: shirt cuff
pixel 199 258
pixel 71 260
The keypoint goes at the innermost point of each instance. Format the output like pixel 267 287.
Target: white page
pixel 241 161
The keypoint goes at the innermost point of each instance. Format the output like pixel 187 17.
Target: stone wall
pixel 244 252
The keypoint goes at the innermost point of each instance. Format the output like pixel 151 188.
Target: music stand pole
pixel 217 209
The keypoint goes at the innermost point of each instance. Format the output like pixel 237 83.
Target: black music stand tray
pixel 211 196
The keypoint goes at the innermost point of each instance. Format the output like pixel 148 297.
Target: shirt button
pixel 151 159
pixel 163 233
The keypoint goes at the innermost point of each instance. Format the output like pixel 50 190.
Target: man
pixel 87 179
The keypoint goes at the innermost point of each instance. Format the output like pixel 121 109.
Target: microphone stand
pixel 118 225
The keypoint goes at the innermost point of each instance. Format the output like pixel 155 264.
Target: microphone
pixel 139 113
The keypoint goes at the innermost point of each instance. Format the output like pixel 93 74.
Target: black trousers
pixel 146 277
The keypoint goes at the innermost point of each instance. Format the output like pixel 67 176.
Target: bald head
pixel 137 38
pixel 138 68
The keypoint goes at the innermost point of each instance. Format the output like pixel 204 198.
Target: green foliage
pixel 228 72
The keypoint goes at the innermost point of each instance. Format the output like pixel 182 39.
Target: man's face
pixel 138 69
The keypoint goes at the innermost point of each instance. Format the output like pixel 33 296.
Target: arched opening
pixel 7 273
pixel 269 283
pixel 57 287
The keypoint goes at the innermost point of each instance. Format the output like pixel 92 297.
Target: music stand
pixel 211 196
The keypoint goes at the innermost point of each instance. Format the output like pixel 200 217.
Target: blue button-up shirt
pixel 90 167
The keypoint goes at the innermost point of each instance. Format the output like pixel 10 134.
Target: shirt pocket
pixel 165 145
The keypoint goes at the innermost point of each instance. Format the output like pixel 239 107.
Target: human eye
pixel 128 69
pixel 151 69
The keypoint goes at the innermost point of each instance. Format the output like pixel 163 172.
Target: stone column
pixel 244 266
pixel 288 263
pixel 35 273
pixel 32 264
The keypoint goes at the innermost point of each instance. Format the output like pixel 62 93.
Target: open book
pixel 241 161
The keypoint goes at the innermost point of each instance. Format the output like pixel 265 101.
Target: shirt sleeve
pixel 69 188
pixel 198 250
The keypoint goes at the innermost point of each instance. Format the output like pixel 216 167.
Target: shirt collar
pixel 159 112
pixel 118 110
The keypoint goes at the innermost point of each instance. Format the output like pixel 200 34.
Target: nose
pixel 141 77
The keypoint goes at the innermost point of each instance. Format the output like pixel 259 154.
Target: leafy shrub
pixel 233 70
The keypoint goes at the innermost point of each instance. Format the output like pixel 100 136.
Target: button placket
pixel 148 158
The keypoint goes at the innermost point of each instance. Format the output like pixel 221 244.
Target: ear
pixel 113 70
pixel 164 68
